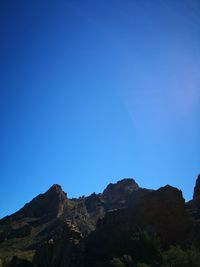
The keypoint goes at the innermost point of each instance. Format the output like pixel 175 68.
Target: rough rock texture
pixel 26 228
pixel 49 205
pixel 161 213
pixel 65 249
pixel 164 212
pixel 53 230
pixel 116 195
pixel 41 219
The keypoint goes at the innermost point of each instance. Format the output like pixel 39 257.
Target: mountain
pixel 43 218
pixel 53 230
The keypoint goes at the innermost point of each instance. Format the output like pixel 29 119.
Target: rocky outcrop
pixel 117 195
pixel 77 232
pixel 40 219
pixel 193 206
pixel 25 228
pixel 65 249
pixel 159 213
pixel 51 204
pixel 197 188
pixel 164 212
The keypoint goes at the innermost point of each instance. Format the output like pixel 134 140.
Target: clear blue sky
pixel 94 91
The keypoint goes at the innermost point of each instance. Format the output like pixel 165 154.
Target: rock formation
pixel 53 230
pixel 197 188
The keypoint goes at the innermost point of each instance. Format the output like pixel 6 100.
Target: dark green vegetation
pixel 125 226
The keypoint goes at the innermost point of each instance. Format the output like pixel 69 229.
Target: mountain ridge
pixel 53 222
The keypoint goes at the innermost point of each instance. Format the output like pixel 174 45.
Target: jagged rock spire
pixel 197 188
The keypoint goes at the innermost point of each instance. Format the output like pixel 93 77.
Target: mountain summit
pixel 125 186
pixel 52 230
pixel 49 204
pixel 38 220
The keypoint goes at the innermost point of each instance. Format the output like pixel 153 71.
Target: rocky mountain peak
pixel 116 195
pixel 197 188
pixel 49 204
pixel 56 229
pixel 56 189
pixel 127 185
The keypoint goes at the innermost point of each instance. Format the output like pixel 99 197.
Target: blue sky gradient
pixel 95 91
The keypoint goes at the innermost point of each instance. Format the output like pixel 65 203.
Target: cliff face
pixel 65 249
pixel 51 205
pixel 193 208
pixel 53 230
pixel 116 195
pixel 197 188
pixel 49 214
pixel 160 213
pixel 163 211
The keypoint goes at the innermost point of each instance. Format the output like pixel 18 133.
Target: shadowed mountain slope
pixel 53 230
